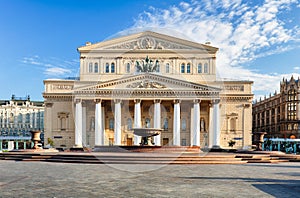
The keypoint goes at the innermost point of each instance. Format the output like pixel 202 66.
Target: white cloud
pixel 53 66
pixel 242 31
pixel 57 71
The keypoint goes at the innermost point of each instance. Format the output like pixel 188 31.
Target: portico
pixel 177 133
pixel 147 80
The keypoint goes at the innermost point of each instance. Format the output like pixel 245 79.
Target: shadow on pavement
pixel 274 187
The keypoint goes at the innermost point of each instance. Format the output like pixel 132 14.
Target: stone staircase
pixel 149 158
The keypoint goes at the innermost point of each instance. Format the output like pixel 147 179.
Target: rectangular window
pixel 90 68
pixel 206 68
pixel 96 68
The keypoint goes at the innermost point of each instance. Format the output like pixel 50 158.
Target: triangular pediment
pixel 148 81
pixel 147 41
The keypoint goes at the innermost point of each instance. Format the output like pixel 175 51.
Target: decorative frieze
pixel 148 42
pixel 234 87
pixel 62 87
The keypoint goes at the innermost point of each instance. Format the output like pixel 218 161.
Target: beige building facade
pixel 279 114
pixel 148 80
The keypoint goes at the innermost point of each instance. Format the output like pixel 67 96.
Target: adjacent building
pixel 18 116
pixel 279 114
pixel 149 80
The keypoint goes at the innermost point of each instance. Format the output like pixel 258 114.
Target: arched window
pixel 183 124
pixel 107 68
pixel 166 124
pixel 20 118
pixel 158 68
pixel 112 68
pixel 96 68
pixel 167 68
pixel 129 124
pixel 90 67
pixel 111 123
pixel 147 123
pixel 206 68
pixel 128 68
pixel 182 69
pixel 188 68
pixel 199 68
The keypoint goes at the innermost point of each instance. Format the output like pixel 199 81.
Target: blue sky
pixel 258 40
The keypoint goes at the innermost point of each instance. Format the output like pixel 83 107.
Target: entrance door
pixel 165 141
pixel 111 141
pixel 129 141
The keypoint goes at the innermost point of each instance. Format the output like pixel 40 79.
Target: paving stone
pixel 44 179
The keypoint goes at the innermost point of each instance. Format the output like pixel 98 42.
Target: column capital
pixel 97 100
pixel 216 101
pixel 78 100
pixel 246 105
pixel 137 100
pixel 176 101
pixel 117 100
pixel 196 101
pixel 157 100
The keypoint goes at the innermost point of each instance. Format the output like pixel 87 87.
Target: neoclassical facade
pixel 279 114
pixel 177 92
pixel 18 116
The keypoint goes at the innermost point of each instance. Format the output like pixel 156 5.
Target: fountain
pixel 35 137
pixel 146 134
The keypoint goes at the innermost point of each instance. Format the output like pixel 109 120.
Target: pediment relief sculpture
pixel 146 84
pixel 148 42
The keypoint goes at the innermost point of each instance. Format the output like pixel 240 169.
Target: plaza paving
pixel 44 179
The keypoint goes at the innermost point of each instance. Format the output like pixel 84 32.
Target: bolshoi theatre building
pixel 148 80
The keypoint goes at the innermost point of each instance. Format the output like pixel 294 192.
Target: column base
pixel 77 148
pixel 216 148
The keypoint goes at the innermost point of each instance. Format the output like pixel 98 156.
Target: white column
pixel 192 126
pixel 216 124
pixel 78 123
pixel 117 131
pixel 99 135
pixel 84 135
pixel 48 121
pixel 157 121
pixel 137 120
pixel 103 125
pixel 196 122
pixel 176 123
